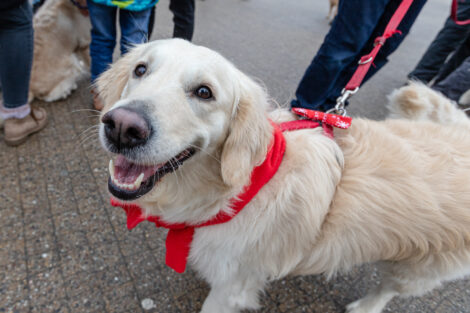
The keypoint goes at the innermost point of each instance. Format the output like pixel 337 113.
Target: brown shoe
pixel 97 102
pixel 18 130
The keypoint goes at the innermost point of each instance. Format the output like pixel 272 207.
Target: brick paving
pixel 64 249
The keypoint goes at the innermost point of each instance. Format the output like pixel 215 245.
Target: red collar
pixel 180 236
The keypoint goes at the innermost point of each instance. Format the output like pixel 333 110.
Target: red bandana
pixel 180 236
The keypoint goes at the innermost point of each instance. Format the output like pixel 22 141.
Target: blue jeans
pixel 16 54
pixel 351 35
pixel 134 27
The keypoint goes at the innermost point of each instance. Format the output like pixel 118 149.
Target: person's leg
pixel 448 39
pixel 134 27
pixel 457 83
pixel 392 43
pixel 350 31
pixel 103 37
pixel 183 17
pixel 151 22
pixel 462 52
pixel 390 46
pixel 16 57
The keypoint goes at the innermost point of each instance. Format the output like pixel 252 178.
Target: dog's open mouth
pixel 129 181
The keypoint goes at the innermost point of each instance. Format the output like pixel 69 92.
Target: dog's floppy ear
pixel 112 82
pixel 249 136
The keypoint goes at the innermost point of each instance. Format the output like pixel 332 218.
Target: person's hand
pixel 82 7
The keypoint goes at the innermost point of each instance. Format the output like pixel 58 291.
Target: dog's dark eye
pixel 140 70
pixel 204 92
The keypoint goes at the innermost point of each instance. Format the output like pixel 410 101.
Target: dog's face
pixel 168 103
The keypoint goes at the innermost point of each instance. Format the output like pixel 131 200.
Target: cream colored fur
pixel 61 57
pixel 395 192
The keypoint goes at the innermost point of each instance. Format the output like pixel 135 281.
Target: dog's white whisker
pixel 86 141
pixel 204 151
pixel 90 129
pixel 87 133
pixel 85 110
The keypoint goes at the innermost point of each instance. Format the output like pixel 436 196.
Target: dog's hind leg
pixel 419 102
pixel 397 280
pixel 412 279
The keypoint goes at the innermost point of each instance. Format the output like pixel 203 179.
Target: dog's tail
pixel 417 101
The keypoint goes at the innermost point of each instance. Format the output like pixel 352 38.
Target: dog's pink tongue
pixel 127 172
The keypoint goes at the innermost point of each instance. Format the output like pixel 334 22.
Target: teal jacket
pixel 133 5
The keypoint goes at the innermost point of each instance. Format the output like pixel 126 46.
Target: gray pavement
pixel 64 249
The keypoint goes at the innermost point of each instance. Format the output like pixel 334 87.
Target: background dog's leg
pixel 332 13
pixel 233 296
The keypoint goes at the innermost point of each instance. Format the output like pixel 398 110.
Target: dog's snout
pixel 125 128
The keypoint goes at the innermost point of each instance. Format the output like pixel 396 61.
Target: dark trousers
pixel 16 54
pixel 457 82
pixel 183 18
pixel 457 58
pixel 454 76
pixel 449 38
pixel 351 35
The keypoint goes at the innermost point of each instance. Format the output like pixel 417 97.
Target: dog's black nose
pixel 126 128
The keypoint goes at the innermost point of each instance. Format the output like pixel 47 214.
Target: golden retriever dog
pixel 394 192
pixel 61 57
pixel 333 10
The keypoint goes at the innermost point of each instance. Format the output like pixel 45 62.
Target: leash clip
pixel 341 102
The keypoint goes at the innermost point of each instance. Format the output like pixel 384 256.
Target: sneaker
pixel 18 130
pixel 97 102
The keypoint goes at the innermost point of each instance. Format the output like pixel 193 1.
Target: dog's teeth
pixel 138 181
pixel 111 169
pixel 133 186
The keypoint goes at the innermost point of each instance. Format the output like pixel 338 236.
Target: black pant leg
pixel 457 82
pixel 151 22
pixel 455 60
pixel 447 40
pixel 183 17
